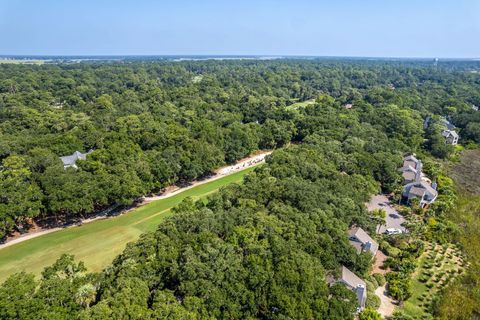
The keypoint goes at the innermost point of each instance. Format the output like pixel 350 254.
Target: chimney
pixel 418 176
pixel 367 246
pixel 361 295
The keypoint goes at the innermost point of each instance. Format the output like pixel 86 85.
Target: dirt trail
pixel 222 172
pixel 243 164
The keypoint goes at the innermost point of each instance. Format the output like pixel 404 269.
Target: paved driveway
pixel 393 219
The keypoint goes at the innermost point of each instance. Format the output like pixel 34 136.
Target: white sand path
pixel 386 303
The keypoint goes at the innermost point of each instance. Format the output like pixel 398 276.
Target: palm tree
pixel 86 295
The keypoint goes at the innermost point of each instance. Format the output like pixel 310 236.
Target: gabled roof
pixel 419 188
pixel 411 162
pixel 447 133
pixel 350 279
pixel 409 175
pixel 71 159
pixel 355 284
pixel 360 234
pixel 417 191
pixel 408 168
pixel 411 158
pixel 368 244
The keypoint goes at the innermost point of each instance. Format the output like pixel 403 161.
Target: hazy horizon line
pixel 236 56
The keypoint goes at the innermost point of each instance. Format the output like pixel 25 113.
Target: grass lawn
pixel 99 242
pixel 301 104
pixel 437 267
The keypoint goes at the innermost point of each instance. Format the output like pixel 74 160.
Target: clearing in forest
pixel 301 104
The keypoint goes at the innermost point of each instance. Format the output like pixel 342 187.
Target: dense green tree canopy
pixel 260 250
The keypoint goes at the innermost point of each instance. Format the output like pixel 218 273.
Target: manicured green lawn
pixel 99 242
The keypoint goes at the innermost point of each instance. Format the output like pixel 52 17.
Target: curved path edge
pixel 241 165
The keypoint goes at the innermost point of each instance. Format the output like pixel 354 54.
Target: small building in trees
pixel 70 161
pixel 421 190
pixel 412 161
pixel 361 241
pixel 354 283
pixel 411 170
pixel 416 184
pixel 451 137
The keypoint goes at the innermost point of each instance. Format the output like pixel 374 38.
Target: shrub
pixel 371 286
pixel 369 314
pixel 373 301
pixel 380 278
pixel 428 273
pixel 393 252
pixel 399 315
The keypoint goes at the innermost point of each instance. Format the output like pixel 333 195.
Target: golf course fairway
pixel 97 243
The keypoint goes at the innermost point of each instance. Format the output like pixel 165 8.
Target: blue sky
pixel 382 28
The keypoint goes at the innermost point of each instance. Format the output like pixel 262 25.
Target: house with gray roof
pixel 421 190
pixel 361 241
pixel 411 170
pixel 451 137
pixel 412 162
pixel 354 283
pixel 70 161
pixel 410 175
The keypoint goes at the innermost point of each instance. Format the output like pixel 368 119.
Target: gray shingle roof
pixel 350 278
pixel 447 133
pixel 411 161
pixel 355 284
pixel 359 235
pixel 409 175
pixel 419 189
pixel 69 161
